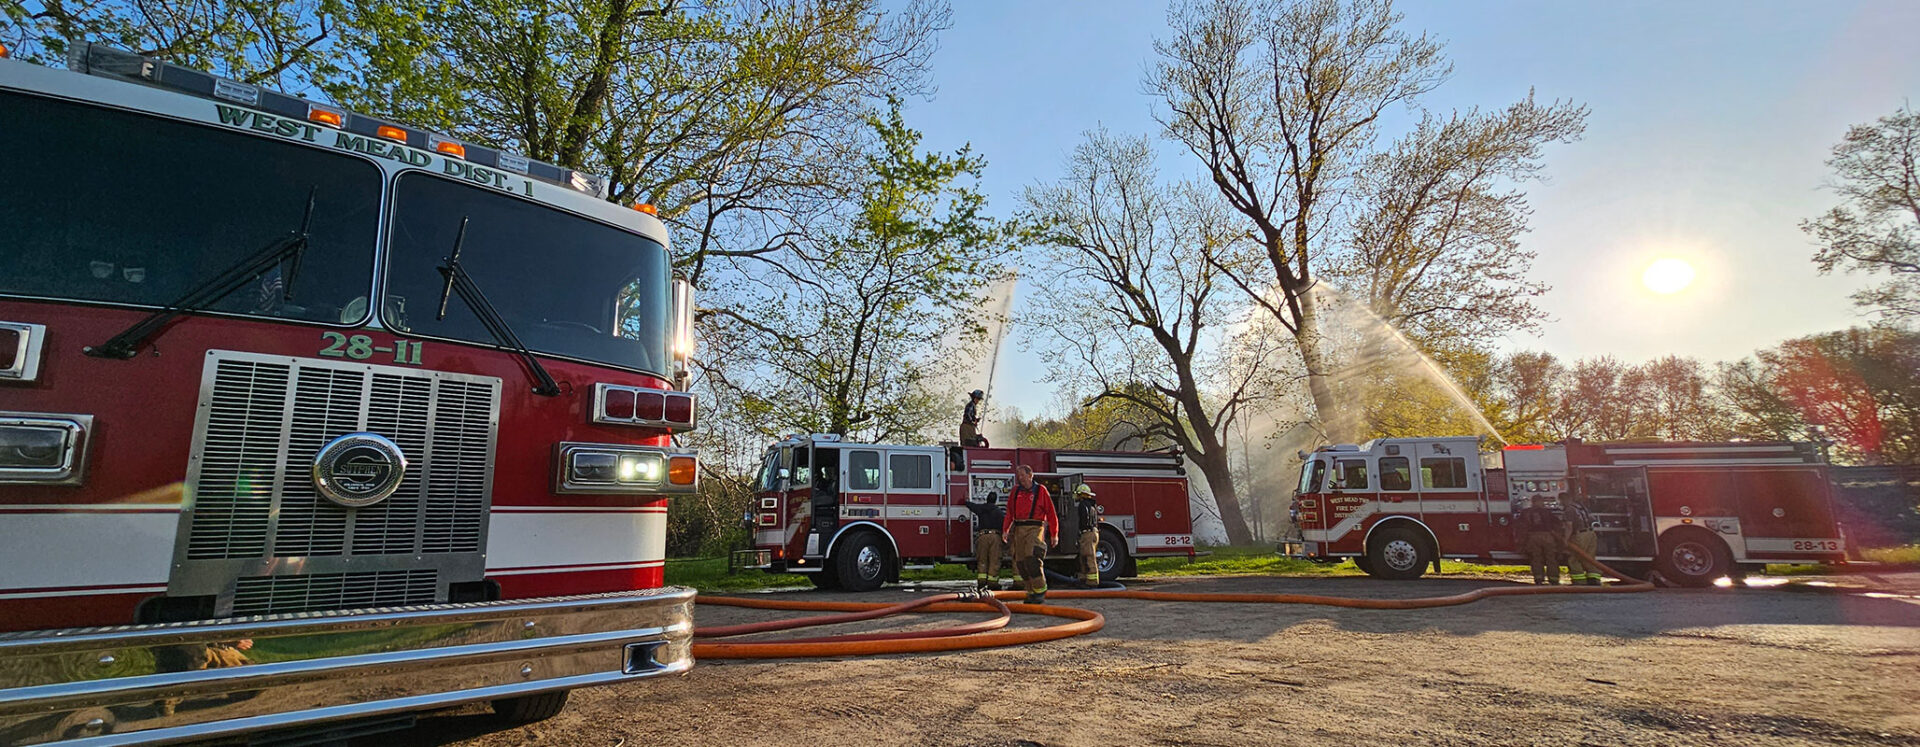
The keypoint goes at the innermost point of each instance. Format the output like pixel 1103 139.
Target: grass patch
pixel 1263 561
pixel 1909 555
pixel 1906 557
pixel 710 574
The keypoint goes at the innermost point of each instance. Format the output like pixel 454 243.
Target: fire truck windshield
pixel 567 285
pixel 1310 473
pixel 113 207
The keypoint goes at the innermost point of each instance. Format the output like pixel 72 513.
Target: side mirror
pixel 680 336
pixel 786 474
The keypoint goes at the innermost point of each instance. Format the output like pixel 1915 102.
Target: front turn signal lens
pixel 682 470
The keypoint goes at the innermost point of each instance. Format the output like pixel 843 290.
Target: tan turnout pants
pixel 986 554
pixel 1580 570
pixel 1029 546
pixel 1543 551
pixel 1090 557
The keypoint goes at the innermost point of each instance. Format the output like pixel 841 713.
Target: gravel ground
pixel 1783 665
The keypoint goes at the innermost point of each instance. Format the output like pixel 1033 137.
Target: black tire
pixel 1398 553
pixel 1693 559
pixel 824 580
pixel 862 562
pixel 1114 562
pixel 1362 563
pixel 527 709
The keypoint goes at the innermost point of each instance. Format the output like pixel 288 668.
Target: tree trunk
pixel 1334 420
pixel 1213 464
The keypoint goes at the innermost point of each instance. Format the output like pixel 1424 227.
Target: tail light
pixel 769 520
pixel 650 408
pixel 20 351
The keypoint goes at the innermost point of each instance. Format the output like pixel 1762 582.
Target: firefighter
pixel 1580 534
pixel 1030 521
pixel 988 516
pixel 970 420
pixel 1087 510
pixel 1541 533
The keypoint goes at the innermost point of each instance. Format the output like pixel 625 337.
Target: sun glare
pixel 1666 276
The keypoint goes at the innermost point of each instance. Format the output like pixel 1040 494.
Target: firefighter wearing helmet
pixel 970 420
pixel 1087 511
pixel 1031 527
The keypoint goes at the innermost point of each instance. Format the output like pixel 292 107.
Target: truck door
pixel 916 511
pixel 1450 500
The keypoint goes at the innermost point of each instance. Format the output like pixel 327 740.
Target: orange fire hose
pixel 964 637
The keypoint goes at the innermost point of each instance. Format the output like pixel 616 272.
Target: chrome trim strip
pixel 26 360
pixel 114 686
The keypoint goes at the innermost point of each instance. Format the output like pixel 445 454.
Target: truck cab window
pixel 1443 472
pixel 1353 474
pixel 910 471
pixel 1311 471
pixel 863 471
pixel 1395 474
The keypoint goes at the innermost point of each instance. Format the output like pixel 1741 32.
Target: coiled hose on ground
pixel 988 634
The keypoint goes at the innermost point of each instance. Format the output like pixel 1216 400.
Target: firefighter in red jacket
pixel 1029 513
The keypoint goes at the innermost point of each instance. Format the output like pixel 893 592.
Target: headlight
pixel 618 469
pixel 42 448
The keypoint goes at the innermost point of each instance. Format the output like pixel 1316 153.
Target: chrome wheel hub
pixel 1400 555
pixel 868 562
pixel 1692 558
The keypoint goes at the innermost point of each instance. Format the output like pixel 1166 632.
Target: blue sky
pixel 1710 125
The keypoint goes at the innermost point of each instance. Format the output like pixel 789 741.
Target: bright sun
pixel 1668 275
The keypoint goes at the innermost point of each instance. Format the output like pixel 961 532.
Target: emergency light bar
pixel 105 61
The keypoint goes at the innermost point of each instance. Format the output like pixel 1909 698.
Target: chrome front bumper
pixel 147 684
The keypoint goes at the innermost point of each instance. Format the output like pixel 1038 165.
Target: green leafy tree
pixel 282 43
pixel 860 340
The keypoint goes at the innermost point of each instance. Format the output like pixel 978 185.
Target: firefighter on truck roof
pixel 1029 515
pixel 1087 510
pixel 970 420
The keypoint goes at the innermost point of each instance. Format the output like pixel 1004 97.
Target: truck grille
pixel 333 591
pixel 254 507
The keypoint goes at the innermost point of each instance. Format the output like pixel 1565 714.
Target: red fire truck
pixel 311 417
pixel 1696 511
pixel 851 516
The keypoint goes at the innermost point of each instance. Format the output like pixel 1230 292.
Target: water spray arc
pixel 1424 366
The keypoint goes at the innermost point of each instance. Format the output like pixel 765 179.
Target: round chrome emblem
pixel 358 469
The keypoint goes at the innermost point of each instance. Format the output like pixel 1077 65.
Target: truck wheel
pixel 1398 553
pixel 824 580
pixel 527 709
pixel 1361 562
pixel 1693 559
pixel 1111 556
pixel 862 562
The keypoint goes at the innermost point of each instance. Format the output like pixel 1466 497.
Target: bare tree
pixel 1433 245
pixel 1140 311
pixel 1876 229
pixel 1281 100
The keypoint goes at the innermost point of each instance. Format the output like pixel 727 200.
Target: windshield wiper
pixel 293 246
pixel 458 281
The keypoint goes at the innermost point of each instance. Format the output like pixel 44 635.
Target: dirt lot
pixel 1778 666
